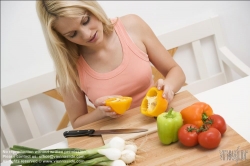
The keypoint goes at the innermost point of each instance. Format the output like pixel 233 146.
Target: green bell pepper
pixel 168 124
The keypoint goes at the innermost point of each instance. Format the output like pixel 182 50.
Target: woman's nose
pixel 85 33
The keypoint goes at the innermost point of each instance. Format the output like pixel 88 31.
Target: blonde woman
pixel 98 57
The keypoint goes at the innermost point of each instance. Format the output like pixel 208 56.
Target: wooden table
pixel 151 152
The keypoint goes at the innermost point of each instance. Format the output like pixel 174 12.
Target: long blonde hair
pixel 63 52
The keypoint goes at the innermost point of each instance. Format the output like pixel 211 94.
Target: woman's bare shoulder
pixel 130 19
pixel 132 23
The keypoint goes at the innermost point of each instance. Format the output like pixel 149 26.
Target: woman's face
pixel 84 30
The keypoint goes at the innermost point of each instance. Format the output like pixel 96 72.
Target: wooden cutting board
pixel 137 121
pixel 152 153
pixel 150 150
pixel 179 102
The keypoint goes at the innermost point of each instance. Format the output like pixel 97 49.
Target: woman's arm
pixel 76 107
pixel 158 55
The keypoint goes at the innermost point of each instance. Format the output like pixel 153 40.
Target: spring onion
pixel 115 153
pixel 128 156
pixel 131 147
pixel 111 153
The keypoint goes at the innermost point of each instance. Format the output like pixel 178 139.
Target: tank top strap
pixel 119 27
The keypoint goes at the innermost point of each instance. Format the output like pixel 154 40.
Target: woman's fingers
pixel 115 115
pixel 112 114
pixel 160 84
pixel 101 101
pixel 170 95
pixel 167 90
pixel 107 111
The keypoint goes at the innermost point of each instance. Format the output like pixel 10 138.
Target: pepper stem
pixel 169 114
pixel 204 117
pixel 170 111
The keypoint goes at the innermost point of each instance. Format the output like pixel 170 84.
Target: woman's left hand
pixel 106 110
pixel 167 90
pixel 101 101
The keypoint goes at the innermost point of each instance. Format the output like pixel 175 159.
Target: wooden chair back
pixel 193 34
pixel 21 93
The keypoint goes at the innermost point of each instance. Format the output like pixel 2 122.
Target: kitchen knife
pixel 92 132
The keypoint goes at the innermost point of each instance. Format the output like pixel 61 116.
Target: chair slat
pixel 205 84
pixel 7 131
pixel 217 32
pixel 30 119
pixel 227 72
pixel 200 62
pixel 28 88
pixel 187 34
pixel 2 148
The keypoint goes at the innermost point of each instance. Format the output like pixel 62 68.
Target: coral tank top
pixel 133 77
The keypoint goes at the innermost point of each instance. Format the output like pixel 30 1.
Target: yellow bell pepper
pixel 119 104
pixel 153 103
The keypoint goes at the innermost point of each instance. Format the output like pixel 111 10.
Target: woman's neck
pixel 103 45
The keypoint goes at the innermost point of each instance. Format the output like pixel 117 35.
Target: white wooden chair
pixel 193 34
pixel 21 92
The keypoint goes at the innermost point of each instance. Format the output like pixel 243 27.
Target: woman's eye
pixel 86 20
pixel 73 35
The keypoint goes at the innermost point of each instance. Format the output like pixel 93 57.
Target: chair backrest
pixel 21 93
pixel 193 34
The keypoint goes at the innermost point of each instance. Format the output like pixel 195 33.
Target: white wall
pixel 23 49
pixel 24 54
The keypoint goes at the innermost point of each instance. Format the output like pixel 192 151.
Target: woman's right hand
pixel 106 110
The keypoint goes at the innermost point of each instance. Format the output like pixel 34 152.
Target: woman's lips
pixel 94 38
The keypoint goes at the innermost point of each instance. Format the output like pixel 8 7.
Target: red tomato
pixel 210 138
pixel 219 123
pixel 187 135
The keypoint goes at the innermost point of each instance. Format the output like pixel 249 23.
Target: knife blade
pixel 92 132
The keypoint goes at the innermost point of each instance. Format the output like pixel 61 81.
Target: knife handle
pixel 78 133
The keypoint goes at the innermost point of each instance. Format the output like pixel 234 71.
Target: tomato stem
pixel 209 121
pixel 190 129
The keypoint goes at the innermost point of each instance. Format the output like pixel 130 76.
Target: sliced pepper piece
pixel 196 113
pixel 168 124
pixel 153 104
pixel 119 104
